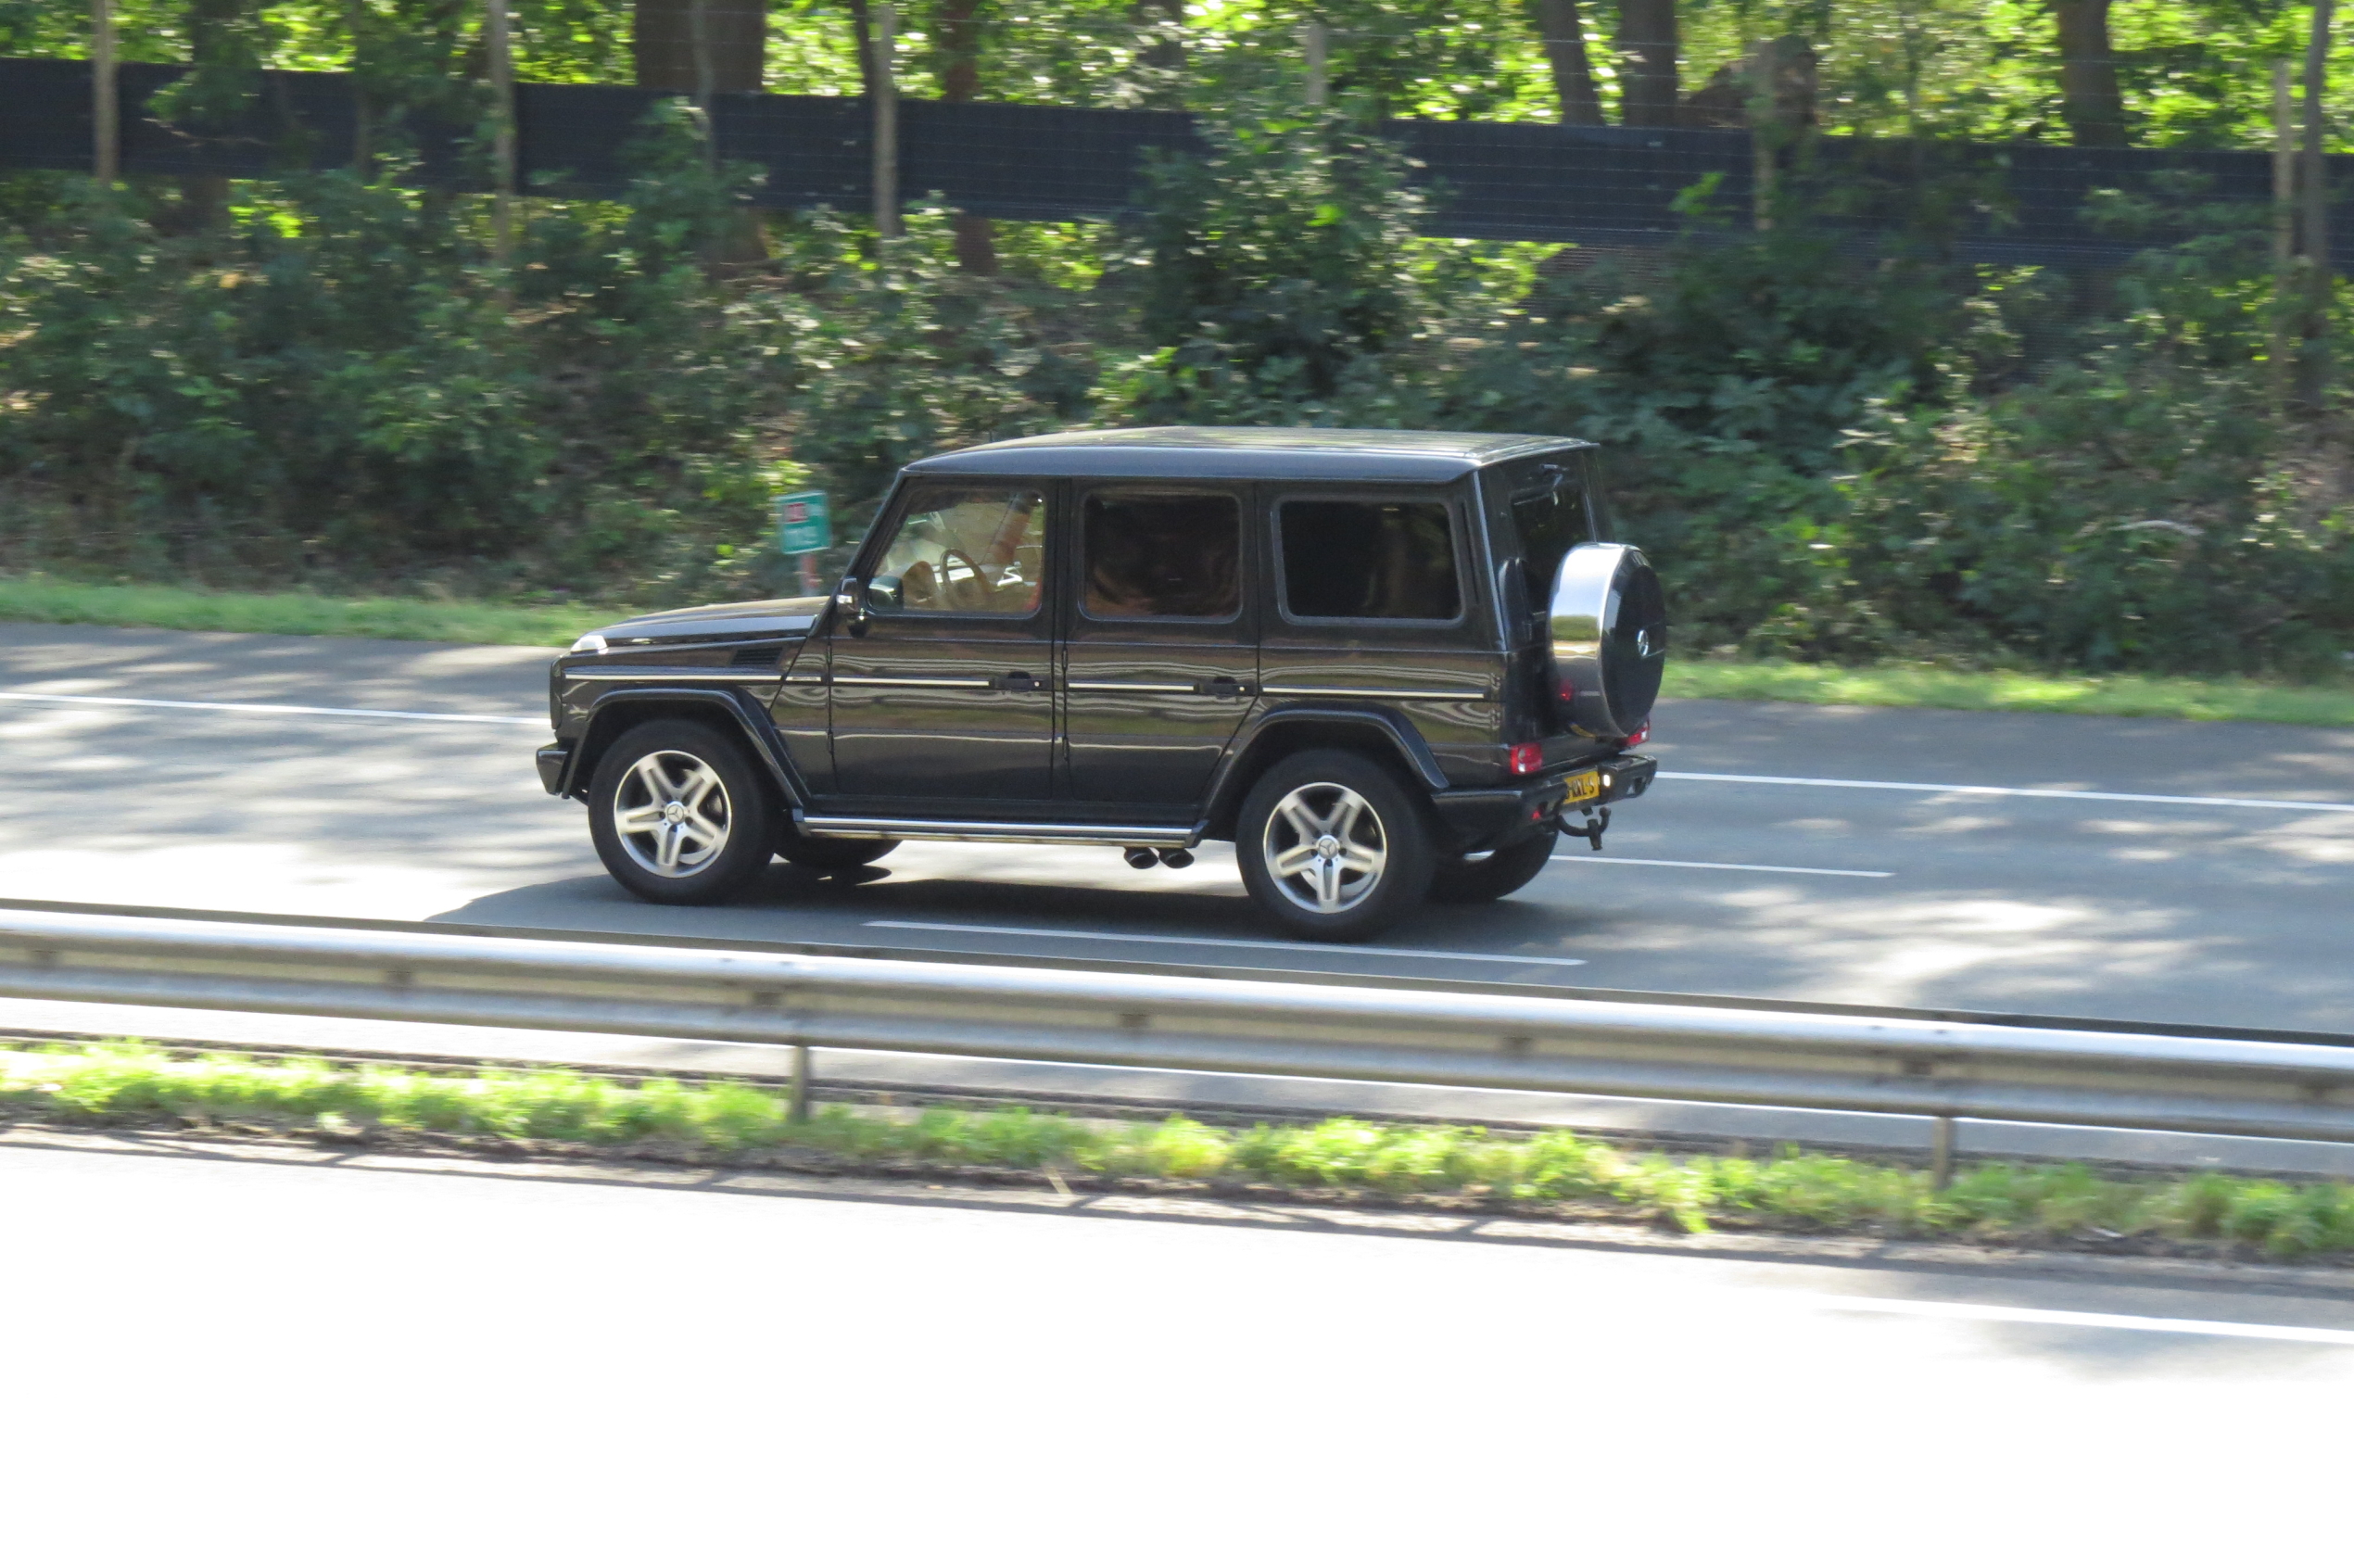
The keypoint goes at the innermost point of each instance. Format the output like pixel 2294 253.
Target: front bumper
pixel 553 761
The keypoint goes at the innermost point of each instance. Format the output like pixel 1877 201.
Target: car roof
pixel 1208 451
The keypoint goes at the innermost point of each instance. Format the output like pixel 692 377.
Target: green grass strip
pixel 136 1085
pixel 55 602
pixel 1908 686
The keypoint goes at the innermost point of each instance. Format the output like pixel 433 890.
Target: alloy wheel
pixel 1324 848
pixel 671 814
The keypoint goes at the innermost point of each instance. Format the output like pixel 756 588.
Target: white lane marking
pixel 1221 941
pixel 1983 1312
pixel 277 708
pixel 1995 789
pixel 1592 859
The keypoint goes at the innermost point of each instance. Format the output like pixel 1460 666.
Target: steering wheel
pixel 969 593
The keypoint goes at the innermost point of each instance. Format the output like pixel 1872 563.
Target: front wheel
pixel 1332 846
pixel 1502 874
pixel 677 815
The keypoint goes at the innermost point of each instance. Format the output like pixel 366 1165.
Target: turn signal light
pixel 1527 757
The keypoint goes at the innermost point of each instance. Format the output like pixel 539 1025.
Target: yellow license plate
pixel 1583 787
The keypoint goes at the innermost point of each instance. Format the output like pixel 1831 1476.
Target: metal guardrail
pixel 1734 1055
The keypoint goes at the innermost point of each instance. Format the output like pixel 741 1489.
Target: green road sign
pixel 803 525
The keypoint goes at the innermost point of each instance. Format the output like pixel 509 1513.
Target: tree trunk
pixel 1646 54
pixel 862 28
pixel 2313 193
pixel 1162 62
pixel 1562 34
pixel 700 47
pixel 959 34
pixel 2090 101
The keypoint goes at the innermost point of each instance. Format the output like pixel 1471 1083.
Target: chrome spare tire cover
pixel 1609 627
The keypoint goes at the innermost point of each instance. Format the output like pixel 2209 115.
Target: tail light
pixel 1642 733
pixel 1527 757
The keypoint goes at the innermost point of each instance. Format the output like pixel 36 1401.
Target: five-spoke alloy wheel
pixel 1331 845
pixel 677 815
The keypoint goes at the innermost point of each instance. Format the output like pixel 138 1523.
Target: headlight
pixel 592 643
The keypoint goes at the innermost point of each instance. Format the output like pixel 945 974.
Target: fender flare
pixel 1401 739
pixel 610 715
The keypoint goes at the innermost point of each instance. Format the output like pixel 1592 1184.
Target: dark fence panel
pixel 1599 185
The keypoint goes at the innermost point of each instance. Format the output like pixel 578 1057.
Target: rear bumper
pixel 1624 778
pixel 1478 819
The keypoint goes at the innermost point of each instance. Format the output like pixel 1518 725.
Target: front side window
pixel 1369 560
pixel 1161 554
pixel 978 550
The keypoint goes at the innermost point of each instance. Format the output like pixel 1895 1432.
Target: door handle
pixel 1019 681
pixel 1220 686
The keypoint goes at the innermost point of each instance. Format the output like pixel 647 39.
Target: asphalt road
pixel 2225 905
pixel 225 1359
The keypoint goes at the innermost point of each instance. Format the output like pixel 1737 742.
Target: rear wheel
pixel 1500 874
pixel 677 815
pixel 1332 846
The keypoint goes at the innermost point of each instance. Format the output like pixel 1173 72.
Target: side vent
pixel 752 653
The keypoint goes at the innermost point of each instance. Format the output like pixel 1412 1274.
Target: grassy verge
pixel 1903 686
pixel 131 1084
pixel 307 614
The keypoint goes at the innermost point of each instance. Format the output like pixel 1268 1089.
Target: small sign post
pixel 805 527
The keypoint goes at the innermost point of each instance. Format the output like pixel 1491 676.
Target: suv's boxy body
pixel 1124 637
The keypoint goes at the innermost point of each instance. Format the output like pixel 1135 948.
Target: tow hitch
pixel 1597 823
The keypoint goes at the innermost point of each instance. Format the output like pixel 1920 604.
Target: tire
pixel 679 815
pixel 1502 874
pixel 1355 804
pixel 830 855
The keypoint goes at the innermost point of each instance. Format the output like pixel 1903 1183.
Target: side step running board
pixel 996 832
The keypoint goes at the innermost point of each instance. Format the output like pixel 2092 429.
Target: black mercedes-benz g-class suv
pixel 1385 664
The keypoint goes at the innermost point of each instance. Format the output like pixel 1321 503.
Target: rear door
pixel 943 693
pixel 1160 651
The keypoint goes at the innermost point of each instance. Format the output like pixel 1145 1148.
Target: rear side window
pixel 1369 561
pixel 1161 554
pixel 1550 523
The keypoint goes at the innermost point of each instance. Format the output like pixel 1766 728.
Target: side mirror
pixel 884 594
pixel 850 607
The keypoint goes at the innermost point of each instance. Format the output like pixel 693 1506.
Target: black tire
pixel 830 855
pixel 1502 874
pixel 1333 896
pixel 723 827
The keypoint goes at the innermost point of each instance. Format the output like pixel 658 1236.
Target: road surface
pixel 222 1359
pixel 2222 901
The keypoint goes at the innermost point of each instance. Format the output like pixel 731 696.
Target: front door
pixel 1161 659
pixel 943 692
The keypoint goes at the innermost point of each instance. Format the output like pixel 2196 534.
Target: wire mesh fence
pixel 1611 186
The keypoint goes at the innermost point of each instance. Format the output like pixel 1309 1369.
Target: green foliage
pixel 136 1085
pixel 1279 283
pixel 895 354
pixel 341 388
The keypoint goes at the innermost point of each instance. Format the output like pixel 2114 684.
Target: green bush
pixel 1832 454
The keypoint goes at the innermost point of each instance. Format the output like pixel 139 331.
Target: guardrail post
pixel 1941 1153
pixel 799 1109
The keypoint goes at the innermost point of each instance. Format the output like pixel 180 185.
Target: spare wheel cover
pixel 1609 629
